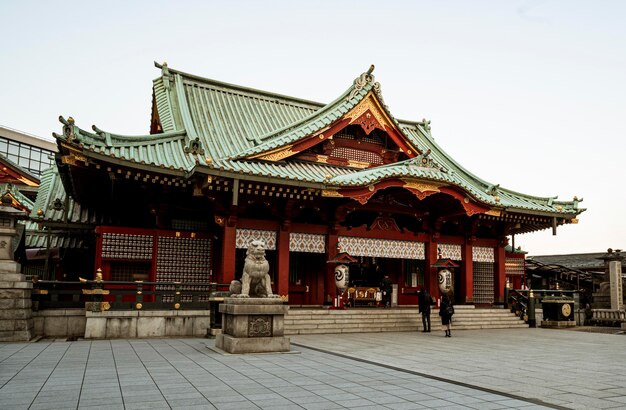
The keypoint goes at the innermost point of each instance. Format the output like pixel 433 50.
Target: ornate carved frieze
pixel 377 117
pixel 331 193
pixel 259 326
pixel 384 224
pixel 282 153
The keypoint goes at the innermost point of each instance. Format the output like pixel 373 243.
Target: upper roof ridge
pixel 166 72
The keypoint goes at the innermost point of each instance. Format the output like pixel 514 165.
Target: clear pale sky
pixel 530 95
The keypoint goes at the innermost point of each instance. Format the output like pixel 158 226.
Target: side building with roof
pixel 223 165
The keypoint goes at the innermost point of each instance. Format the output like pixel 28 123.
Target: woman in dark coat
pixel 446 311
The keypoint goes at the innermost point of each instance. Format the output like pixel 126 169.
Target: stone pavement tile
pixel 322 405
pixel 513 403
pixel 577 401
pixel 151 405
pixel 243 405
pixel 270 404
pixel 142 397
pixel 194 407
pixel 109 401
pixel 102 407
pixel 234 398
pixel 297 394
pixel 405 406
pixel 360 402
pixel 184 396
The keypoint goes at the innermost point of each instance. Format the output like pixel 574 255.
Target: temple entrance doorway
pixel 306 278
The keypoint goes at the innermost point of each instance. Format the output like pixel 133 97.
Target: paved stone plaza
pixel 483 369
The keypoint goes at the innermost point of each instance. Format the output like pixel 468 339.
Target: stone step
pixel 319 320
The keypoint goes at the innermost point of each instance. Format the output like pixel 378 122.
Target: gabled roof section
pixel 227 118
pixel 360 104
pixel 12 172
pixel 11 196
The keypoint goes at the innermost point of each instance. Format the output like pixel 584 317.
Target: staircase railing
pixel 519 300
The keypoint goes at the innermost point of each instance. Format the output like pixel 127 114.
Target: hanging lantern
pixel 342 277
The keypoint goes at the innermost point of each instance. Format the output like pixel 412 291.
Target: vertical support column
pixel 229 248
pixel 499 281
pixel 282 270
pixel 330 291
pixel 229 245
pixel 430 273
pixel 467 273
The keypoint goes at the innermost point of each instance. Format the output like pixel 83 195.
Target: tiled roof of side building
pixel 52 200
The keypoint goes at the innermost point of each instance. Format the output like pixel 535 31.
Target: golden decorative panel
pixel 331 193
pixel 494 212
pixel 283 152
pixel 369 103
pixel 422 186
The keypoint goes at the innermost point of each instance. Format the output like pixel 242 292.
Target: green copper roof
pixel 56 205
pixel 211 126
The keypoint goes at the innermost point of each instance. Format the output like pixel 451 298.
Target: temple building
pixel 224 164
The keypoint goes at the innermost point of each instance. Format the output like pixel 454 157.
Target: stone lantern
pixel 16 318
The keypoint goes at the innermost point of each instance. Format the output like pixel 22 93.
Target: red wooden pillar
pixel 466 276
pixel 282 270
pixel 329 277
pixel 430 273
pixel 229 249
pixel 499 274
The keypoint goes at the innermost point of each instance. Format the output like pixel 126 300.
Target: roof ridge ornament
pixel 424 161
pixel 362 80
pixel 425 124
pixel 195 147
pixel 69 129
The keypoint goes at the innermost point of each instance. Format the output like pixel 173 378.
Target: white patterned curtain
pixel 307 242
pixel 246 236
pixel 381 248
pixel 483 254
pixel 449 251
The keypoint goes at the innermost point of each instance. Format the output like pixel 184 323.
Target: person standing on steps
pixel 423 303
pixel 446 310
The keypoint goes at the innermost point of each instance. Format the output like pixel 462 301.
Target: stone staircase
pixel 400 319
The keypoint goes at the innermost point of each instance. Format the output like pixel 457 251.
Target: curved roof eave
pixel 167 150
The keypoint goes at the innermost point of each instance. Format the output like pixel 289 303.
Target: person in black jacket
pixel 423 302
pixel 446 310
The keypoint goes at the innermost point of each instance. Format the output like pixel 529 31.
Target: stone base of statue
pixel 253 325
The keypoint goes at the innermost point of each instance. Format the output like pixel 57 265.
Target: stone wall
pixel 60 323
pixel 146 324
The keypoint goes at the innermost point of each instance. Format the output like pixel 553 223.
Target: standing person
pixel 385 287
pixel 446 310
pixel 423 302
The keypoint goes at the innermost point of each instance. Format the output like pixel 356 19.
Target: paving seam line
pixel 441 379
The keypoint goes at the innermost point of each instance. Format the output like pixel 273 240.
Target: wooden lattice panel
pixel 483 282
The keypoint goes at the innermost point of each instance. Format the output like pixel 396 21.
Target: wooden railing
pixel 118 295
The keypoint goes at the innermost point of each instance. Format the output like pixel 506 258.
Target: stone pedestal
pixel 253 325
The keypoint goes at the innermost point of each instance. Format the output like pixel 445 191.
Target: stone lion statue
pixel 255 281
